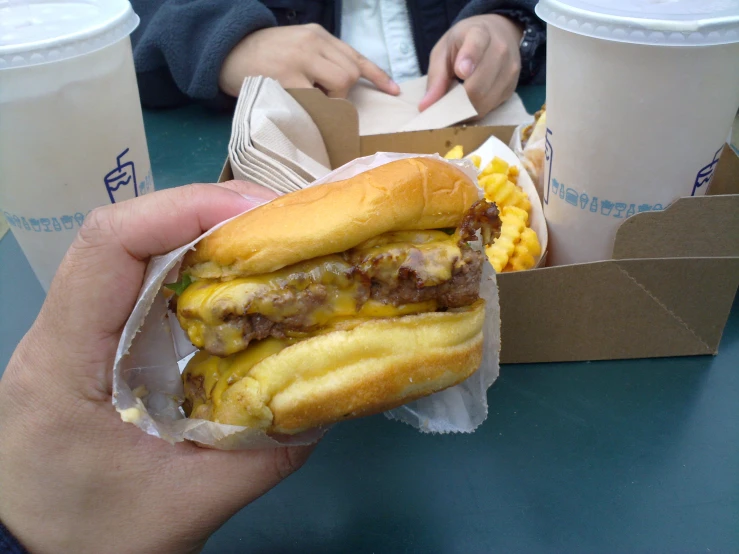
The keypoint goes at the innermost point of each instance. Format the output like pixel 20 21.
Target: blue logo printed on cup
pixel 620 207
pixel 121 180
pixel 602 206
pixel 705 174
pixel 79 218
pixel 549 157
pixel 26 226
pixel 68 221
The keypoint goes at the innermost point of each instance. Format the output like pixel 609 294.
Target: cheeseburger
pixel 337 301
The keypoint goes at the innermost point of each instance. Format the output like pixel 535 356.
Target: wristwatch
pixel 533 42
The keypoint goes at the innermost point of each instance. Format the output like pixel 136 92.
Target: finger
pixel 250 191
pixel 367 68
pixel 481 86
pixel 472 51
pixel 100 277
pixel 158 223
pixel 296 80
pixel 495 78
pixel 337 56
pixel 331 77
pixel 439 75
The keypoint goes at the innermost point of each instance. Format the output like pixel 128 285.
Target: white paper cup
pixel 640 99
pixel 71 130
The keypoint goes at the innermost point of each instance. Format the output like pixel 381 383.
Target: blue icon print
pixel 603 206
pixel 705 173
pixel 549 157
pixel 620 207
pixel 46 224
pixel 118 180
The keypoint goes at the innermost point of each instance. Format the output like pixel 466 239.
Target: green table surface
pixel 621 456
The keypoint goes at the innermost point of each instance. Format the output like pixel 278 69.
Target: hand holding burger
pixel 73 476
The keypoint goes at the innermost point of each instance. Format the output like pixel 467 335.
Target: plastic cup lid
pixel 658 22
pixel 34 32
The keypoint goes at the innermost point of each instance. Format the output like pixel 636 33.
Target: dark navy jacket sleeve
pixel 180 45
pixel 533 45
pixel 8 543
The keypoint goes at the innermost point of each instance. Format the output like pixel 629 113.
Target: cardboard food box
pixel 667 291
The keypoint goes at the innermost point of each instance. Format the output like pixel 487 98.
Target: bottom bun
pixel 374 366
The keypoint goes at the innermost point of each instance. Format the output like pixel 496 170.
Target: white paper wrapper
pixel 495 147
pixel 148 392
pixel 533 155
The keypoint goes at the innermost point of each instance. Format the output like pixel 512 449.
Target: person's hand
pixel 73 476
pixel 301 56
pixel 483 52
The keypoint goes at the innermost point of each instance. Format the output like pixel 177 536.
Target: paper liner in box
pixel 493 147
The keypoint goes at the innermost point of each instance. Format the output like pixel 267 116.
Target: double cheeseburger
pixel 337 301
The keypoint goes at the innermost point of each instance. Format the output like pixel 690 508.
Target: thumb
pixel 439 75
pixel 99 279
pixel 470 54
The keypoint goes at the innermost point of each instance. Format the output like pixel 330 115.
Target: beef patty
pixel 414 271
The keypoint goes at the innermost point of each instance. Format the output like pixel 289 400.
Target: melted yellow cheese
pixel 210 311
pixel 219 373
pixel 431 259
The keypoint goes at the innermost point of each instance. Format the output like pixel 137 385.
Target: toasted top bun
pixel 415 193
pixel 375 366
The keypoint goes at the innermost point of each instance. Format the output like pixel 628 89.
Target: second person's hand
pixel 483 52
pixel 301 56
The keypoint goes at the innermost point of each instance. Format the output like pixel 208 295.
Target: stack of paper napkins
pixel 274 141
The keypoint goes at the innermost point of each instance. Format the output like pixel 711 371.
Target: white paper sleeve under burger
pixel 147 385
